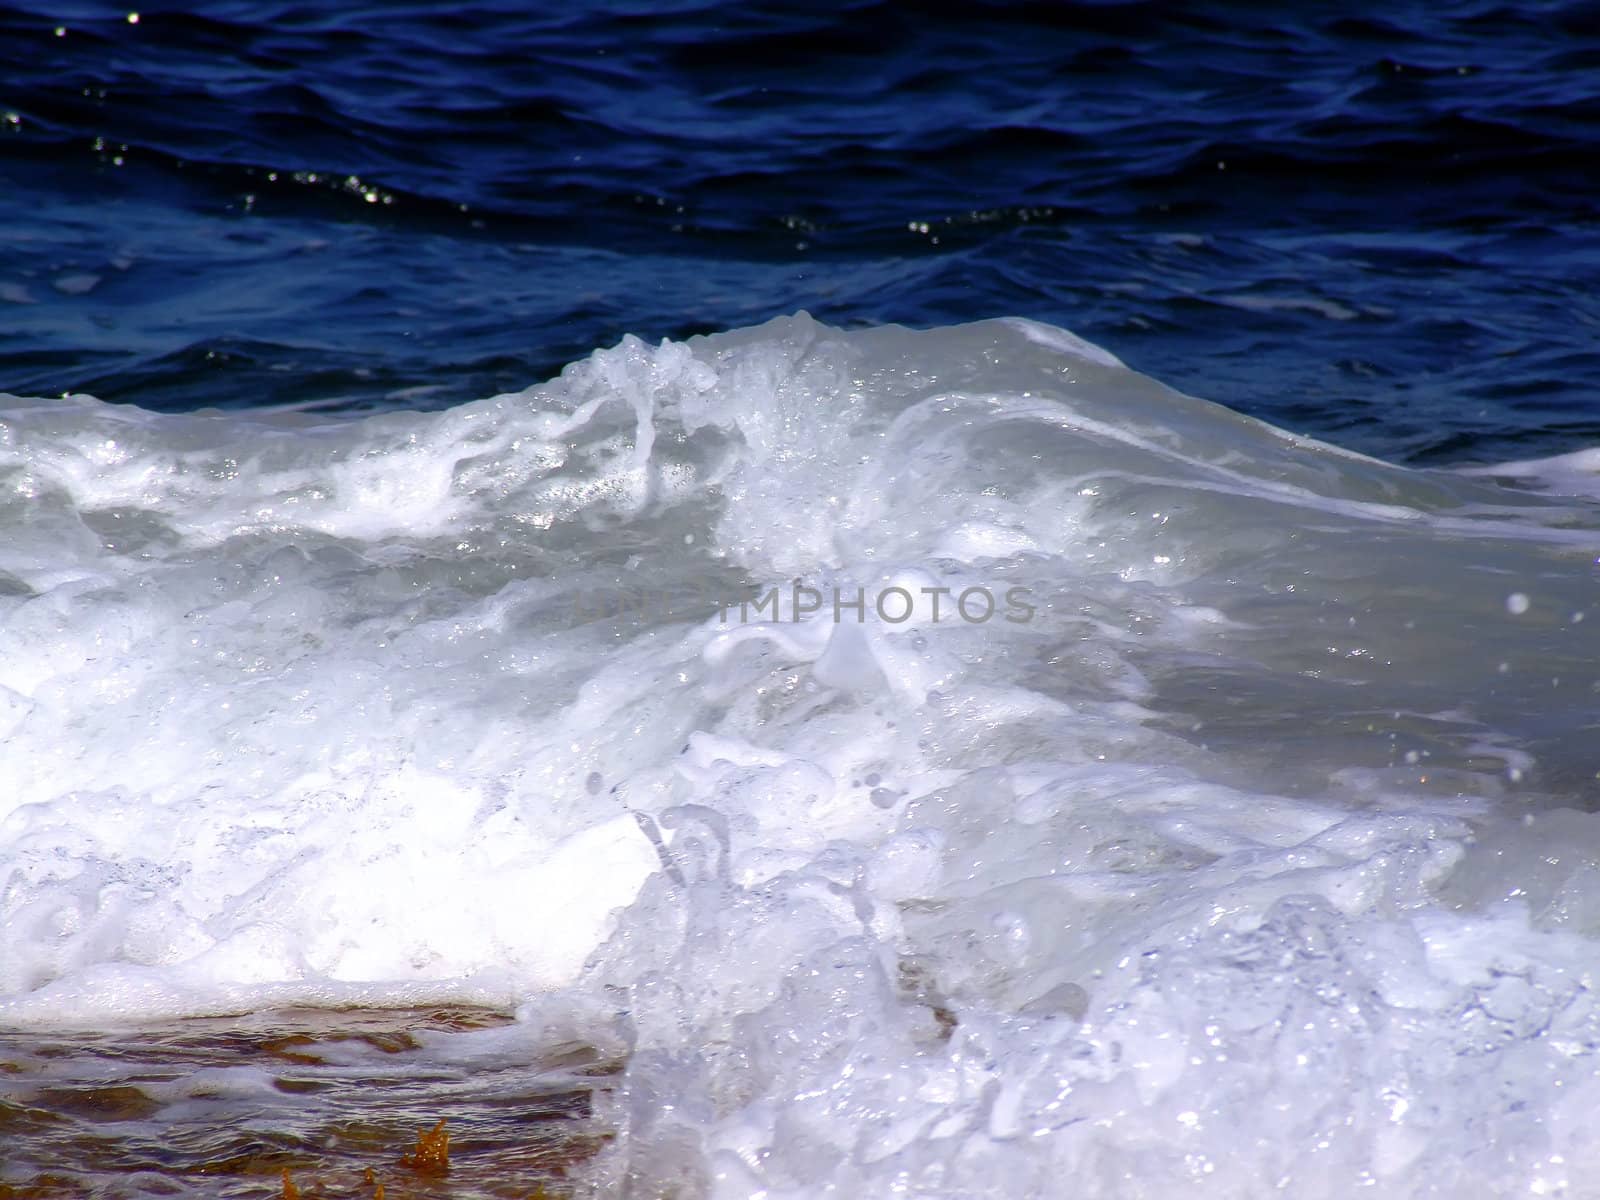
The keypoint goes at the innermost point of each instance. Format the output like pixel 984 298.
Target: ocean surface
pixel 562 571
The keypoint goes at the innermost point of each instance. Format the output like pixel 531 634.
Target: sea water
pixel 1240 844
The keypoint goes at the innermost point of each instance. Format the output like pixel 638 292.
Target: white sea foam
pixel 1255 861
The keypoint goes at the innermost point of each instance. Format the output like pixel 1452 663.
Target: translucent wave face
pixel 951 762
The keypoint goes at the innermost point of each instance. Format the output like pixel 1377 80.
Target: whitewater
pixel 1253 855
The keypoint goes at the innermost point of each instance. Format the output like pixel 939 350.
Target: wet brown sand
pixel 336 1097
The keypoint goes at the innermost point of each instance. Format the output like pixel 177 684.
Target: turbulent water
pixel 874 755
pixel 1227 831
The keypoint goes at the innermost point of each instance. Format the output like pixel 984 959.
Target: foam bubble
pixel 1204 867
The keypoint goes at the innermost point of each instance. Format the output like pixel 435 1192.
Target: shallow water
pixel 336 1098
pixel 1247 846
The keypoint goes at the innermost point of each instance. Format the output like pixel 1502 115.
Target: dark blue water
pixel 1373 223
